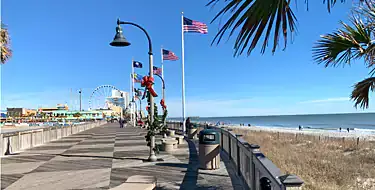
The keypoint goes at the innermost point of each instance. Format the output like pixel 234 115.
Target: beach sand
pixel 354 134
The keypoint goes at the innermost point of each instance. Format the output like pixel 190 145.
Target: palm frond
pixel 366 10
pixel 6 51
pixel 255 18
pixel 360 94
pixel 344 45
pixel 372 72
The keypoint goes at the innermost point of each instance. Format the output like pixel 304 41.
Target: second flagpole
pixel 162 72
pixel 133 101
pixel 183 72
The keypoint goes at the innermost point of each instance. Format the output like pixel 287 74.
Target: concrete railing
pixel 256 170
pixel 12 142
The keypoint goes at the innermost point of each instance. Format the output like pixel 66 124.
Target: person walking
pixel 121 123
pixel 188 123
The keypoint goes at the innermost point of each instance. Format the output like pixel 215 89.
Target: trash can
pixel 209 149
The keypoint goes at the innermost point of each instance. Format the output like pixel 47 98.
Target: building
pixel 16 112
pixel 125 95
pixel 75 115
pixel 30 112
pixel 21 112
pixel 111 113
pixel 49 111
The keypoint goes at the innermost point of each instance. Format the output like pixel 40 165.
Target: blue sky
pixel 63 45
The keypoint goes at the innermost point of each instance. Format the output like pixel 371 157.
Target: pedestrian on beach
pixel 299 127
pixel 340 129
pixel 347 129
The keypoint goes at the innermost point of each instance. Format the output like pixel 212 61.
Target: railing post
pixel 238 156
pixel 291 182
pixel 230 146
pixel 42 140
pixel 31 139
pixel 2 144
pixel 253 148
pixel 19 140
pixel 222 139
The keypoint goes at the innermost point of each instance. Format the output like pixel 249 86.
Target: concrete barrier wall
pixel 256 170
pixel 21 140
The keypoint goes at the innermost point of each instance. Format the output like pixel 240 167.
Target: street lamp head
pixel 119 40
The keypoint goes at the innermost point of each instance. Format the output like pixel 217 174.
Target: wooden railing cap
pixel 291 180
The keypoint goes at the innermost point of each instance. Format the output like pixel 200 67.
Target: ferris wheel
pixel 103 96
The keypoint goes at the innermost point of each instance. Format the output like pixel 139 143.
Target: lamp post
pixel 162 80
pixel 120 41
pixel 80 99
pixel 140 101
pixel 135 112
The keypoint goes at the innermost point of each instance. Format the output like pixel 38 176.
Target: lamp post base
pixel 152 157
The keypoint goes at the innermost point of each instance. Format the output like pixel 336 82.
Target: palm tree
pixel 355 41
pixel 257 18
pixel 6 52
pixel 77 114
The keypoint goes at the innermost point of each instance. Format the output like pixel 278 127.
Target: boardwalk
pixel 104 157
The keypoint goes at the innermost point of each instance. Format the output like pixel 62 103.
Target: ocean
pixel 357 121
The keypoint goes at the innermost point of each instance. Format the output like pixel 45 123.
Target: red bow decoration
pixel 162 103
pixel 147 107
pixel 148 82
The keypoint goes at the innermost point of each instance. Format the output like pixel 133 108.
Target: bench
pixel 169 144
pixel 138 182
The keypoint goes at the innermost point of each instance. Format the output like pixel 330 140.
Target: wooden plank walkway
pixel 103 158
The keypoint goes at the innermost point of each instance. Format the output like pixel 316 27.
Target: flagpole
pixel 130 90
pixel 162 63
pixel 162 71
pixel 183 72
pixel 133 106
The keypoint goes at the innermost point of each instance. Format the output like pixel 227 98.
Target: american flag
pixel 169 55
pixel 194 26
pixel 157 71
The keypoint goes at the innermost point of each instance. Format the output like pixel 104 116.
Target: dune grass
pixel 323 164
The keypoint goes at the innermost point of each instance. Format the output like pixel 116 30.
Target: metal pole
pixel 80 99
pixel 140 107
pixel 152 156
pixel 129 105
pixel 163 85
pixel 133 107
pixel 183 73
pixel 162 73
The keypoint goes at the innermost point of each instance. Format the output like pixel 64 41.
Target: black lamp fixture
pixel 119 40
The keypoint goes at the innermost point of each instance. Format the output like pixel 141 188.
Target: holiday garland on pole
pixel 158 124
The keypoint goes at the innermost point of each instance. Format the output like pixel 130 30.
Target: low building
pixel 30 112
pixel 16 112
pixel 74 115
pixel 49 111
